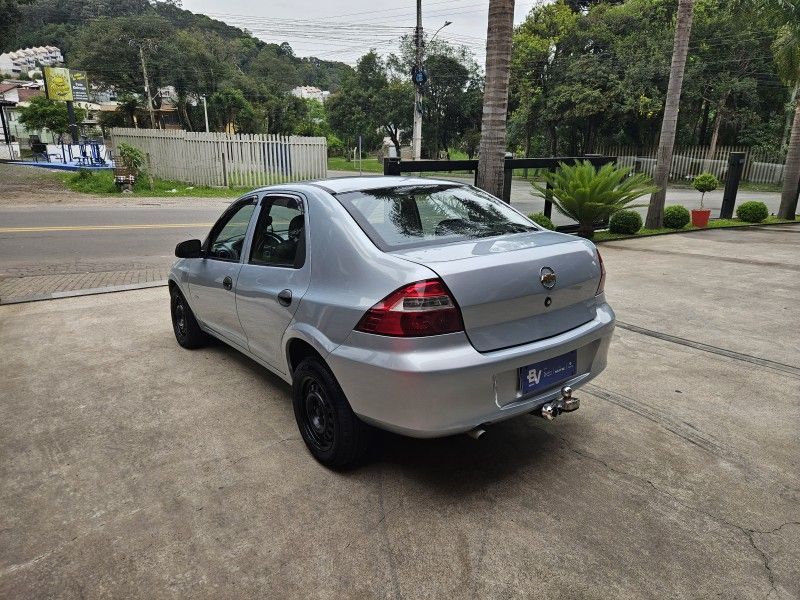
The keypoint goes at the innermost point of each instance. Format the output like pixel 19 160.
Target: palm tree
pixel 666 143
pixel 495 96
pixel 786 49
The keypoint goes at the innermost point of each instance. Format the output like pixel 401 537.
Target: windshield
pixel 422 215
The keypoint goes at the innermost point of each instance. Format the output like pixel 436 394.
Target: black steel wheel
pixel 334 435
pixel 184 324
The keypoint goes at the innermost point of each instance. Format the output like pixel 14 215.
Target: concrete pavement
pixel 132 468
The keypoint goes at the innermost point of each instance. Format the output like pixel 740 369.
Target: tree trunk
pixel 712 148
pixel 787 129
pixel 791 172
pixel 495 97
pixel 701 138
pixel 669 124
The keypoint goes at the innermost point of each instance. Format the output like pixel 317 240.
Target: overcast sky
pixel 346 29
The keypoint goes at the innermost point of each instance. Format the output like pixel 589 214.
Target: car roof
pixel 341 185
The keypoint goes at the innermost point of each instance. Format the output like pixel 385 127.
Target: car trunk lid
pixel 498 285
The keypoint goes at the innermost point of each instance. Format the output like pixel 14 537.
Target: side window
pixel 227 238
pixel 279 239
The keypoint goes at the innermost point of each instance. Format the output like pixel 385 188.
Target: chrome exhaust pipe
pixel 476 433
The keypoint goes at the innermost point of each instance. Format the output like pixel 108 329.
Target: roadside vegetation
pixel 102 183
pixel 607 236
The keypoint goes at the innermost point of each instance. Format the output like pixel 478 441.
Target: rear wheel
pixel 184 324
pixel 332 432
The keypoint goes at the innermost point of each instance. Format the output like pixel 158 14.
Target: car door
pixel 276 275
pixel 212 279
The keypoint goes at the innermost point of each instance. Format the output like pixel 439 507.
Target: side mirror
pixel 189 249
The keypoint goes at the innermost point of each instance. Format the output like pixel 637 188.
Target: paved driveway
pixel 132 468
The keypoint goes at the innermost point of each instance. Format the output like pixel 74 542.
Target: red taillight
pixel 602 285
pixel 415 310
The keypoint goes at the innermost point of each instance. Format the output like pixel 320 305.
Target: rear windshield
pixel 423 215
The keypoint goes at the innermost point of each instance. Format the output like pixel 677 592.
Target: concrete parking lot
pixel 131 468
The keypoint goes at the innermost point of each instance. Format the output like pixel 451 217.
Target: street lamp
pixel 416 131
pixel 446 23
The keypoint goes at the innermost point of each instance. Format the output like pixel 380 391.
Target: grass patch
pixel 368 164
pixel 102 183
pixel 605 236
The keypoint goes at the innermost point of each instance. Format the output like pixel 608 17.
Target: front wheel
pixel 332 432
pixel 184 324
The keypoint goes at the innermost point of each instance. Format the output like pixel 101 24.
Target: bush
pixel 591 195
pixel 676 217
pixel 752 212
pixel 625 221
pixel 705 182
pixel 543 220
pixel 132 158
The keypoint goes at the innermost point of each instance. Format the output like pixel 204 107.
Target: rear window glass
pixel 422 215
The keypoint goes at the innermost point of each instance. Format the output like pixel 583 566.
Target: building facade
pixel 21 62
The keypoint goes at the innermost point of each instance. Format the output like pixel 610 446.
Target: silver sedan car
pixel 425 307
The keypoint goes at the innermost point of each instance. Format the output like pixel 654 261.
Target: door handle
pixel 285 297
pixel 227 283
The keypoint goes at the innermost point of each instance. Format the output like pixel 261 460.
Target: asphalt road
pixel 87 244
pixel 41 236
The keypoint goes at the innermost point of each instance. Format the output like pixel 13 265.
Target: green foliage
pixel 102 182
pixel 43 113
pixel 131 158
pixel 676 217
pixel 589 196
pixel 705 182
pixel 625 221
pixel 752 211
pixel 543 220
pixel 583 80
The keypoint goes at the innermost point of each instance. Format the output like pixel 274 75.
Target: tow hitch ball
pixel 566 403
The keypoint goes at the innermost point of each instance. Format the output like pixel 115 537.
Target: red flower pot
pixel 700 217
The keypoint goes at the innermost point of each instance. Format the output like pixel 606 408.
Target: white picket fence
pixel 221 159
pixel 689 161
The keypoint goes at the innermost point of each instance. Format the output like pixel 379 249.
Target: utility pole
pixel 416 140
pixel 205 111
pixel 147 90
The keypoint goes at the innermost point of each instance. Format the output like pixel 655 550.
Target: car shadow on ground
pixel 454 465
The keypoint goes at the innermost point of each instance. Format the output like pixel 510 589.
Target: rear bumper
pixel 438 386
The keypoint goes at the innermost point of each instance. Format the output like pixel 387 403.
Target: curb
pixel 87 292
pixel 649 235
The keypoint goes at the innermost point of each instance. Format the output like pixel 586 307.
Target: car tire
pixel 334 435
pixel 184 324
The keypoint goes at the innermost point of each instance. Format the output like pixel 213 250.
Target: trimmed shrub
pixel 752 212
pixel 625 221
pixel 543 220
pixel 705 182
pixel 676 217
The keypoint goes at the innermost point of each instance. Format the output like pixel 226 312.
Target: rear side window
pixel 422 215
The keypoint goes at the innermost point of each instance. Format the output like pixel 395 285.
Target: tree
pixel 669 123
pixel 787 58
pixel 495 97
pixel 43 113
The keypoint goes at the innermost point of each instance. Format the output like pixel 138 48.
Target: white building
pixel 310 92
pixel 25 60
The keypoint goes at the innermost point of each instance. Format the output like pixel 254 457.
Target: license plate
pixel 547 373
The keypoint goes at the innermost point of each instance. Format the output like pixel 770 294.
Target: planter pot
pixel 700 217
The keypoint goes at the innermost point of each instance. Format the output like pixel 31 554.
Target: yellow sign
pixel 58 83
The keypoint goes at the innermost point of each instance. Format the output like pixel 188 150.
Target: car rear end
pixel 509 317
